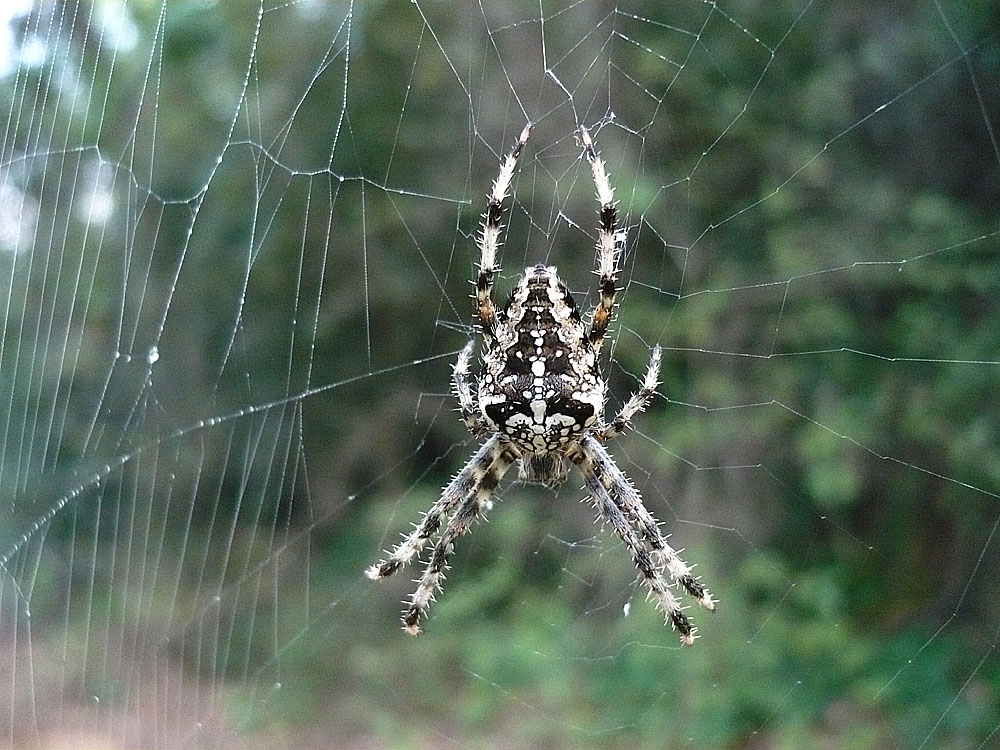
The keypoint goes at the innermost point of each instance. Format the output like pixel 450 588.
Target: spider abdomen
pixel 539 385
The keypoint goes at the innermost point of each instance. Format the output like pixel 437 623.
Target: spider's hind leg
pixel 609 241
pixel 489 237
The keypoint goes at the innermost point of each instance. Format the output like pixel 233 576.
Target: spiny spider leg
pixel 468 481
pixel 607 242
pixel 636 403
pixel 540 399
pixel 462 383
pixel 627 497
pixel 471 508
pixel 489 238
pixel 612 512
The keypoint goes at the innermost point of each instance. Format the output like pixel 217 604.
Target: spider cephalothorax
pixel 540 397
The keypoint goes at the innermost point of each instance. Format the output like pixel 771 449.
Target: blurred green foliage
pixel 812 191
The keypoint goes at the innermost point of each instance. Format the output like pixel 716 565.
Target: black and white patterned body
pixel 540 400
pixel 540 386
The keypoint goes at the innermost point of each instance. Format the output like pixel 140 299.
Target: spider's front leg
pixel 489 237
pixel 470 509
pixel 467 482
pixel 611 512
pixel 627 497
pixel 619 503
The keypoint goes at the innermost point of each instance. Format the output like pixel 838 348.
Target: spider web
pixel 235 245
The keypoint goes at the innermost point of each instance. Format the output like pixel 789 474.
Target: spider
pixel 540 398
